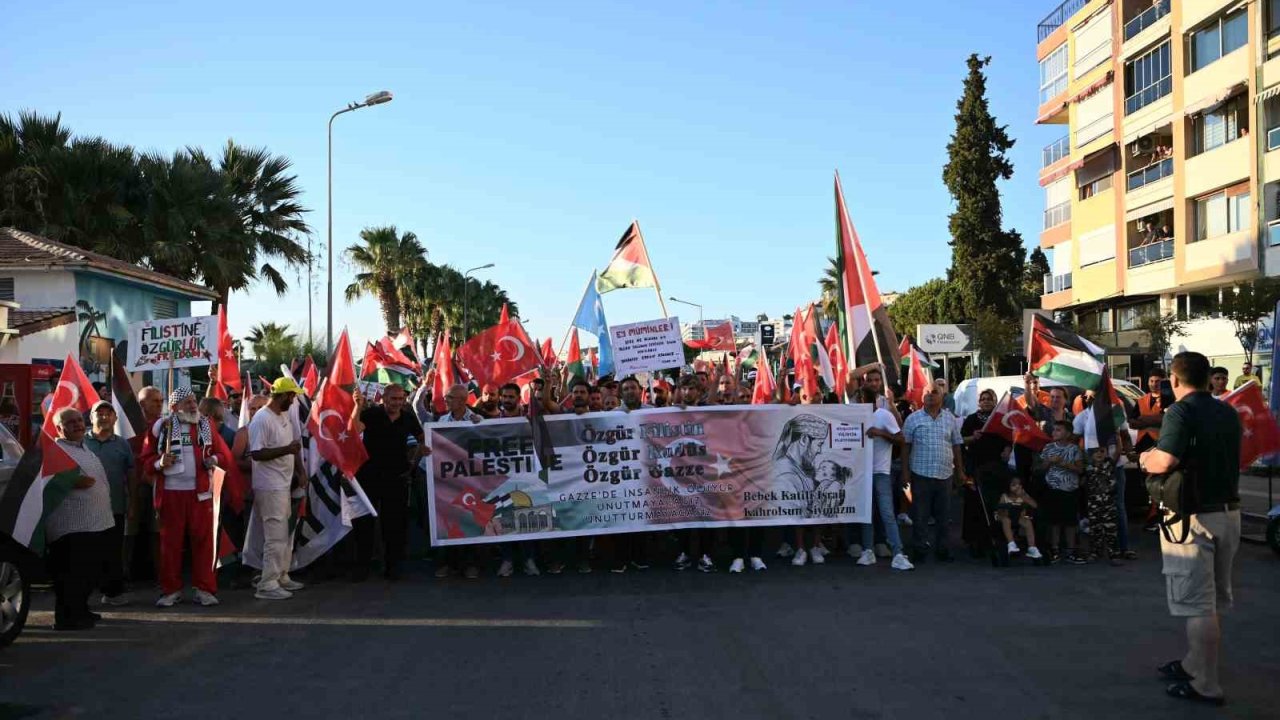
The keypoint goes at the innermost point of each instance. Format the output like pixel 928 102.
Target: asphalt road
pixel 837 641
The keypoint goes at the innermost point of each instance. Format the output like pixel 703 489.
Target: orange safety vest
pixel 1149 405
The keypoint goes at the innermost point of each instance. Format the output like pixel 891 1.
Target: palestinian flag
pixel 378 367
pixel 630 266
pixel 908 348
pixel 129 420
pixel 749 356
pixel 1108 410
pixel 1059 354
pixel 45 476
pixel 864 320
pixel 575 365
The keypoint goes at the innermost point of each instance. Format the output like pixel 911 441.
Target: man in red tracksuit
pixel 178 455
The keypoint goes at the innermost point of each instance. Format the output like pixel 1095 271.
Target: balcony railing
pixel 1057 214
pixel 1273 138
pixel 1273 233
pixel 1057 18
pixel 1157 170
pixel 1056 283
pixel 1146 19
pixel 1055 151
pixel 1152 253
pixel 1148 95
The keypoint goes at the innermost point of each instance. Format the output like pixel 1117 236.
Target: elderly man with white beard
pixel 179 454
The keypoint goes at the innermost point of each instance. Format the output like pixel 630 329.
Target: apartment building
pixel 1164 188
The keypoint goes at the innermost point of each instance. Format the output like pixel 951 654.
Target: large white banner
pixel 647 346
pixel 614 472
pixel 173 343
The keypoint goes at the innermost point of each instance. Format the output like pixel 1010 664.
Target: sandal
pixel 1174 671
pixel 1184 691
pixel 1130 555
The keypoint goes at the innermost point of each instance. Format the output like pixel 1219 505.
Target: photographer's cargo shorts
pixel 1198 571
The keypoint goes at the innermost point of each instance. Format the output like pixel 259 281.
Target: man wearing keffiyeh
pixel 178 455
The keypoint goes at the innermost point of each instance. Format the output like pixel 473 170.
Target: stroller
pixel 993 479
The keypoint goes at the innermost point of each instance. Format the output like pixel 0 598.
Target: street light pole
pixel 701 323
pixel 466 295
pixel 378 98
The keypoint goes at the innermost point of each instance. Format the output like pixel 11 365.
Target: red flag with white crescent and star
pixel 1014 424
pixel 715 337
pixel 1259 434
pixel 228 364
pixel 330 424
pixel 499 354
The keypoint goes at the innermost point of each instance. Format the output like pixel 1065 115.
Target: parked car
pixel 966 397
pixel 18 565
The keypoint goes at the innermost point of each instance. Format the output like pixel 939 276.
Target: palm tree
pixel 383 259
pixel 829 285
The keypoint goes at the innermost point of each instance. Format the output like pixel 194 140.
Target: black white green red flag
pixel 1057 353
pixel 864 320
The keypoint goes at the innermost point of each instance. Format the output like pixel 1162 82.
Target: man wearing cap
pixel 661 393
pixel 179 453
pixel 120 467
pixel 275 447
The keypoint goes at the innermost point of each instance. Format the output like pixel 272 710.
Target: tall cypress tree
pixel 986 260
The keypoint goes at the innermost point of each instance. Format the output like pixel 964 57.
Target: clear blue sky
pixel 530 134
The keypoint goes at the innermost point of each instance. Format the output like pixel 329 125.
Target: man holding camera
pixel 1201 437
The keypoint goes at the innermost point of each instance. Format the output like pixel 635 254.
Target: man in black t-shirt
pixel 1201 436
pixel 393 439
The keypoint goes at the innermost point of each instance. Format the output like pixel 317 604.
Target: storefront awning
pixel 1213 101
pixel 1158 206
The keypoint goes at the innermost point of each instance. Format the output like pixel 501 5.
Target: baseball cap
pixel 285 385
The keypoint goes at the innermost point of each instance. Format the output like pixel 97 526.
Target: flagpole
pixel 586 287
pixel 657 286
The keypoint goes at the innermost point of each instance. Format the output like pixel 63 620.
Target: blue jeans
pixel 882 491
pixel 930 498
pixel 1122 515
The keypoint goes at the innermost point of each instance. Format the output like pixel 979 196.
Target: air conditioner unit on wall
pixel 1144 145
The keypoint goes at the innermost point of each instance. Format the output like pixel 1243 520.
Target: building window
pixel 164 308
pixel 1220 126
pixel 1147 78
pixel 1221 214
pixel 1095 187
pixel 6 289
pixel 1273 17
pixel 1096 321
pixel 1199 305
pixel 1131 316
pixel 1220 37
pixel 1053 74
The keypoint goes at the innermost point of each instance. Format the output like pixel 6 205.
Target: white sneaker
pixel 800 558
pixel 116 601
pixel 276 593
pixel 820 549
pixel 169 600
pixel 758 564
pixel 506 569
pixel 855 550
pixel 736 566
pixel 905 519
pixel 785 551
pixel 291 585
pixel 1033 552
pixel 816 557
pixel 531 568
pixel 683 562
pixel 705 565
pixel 204 599
pixel 900 562
pixel 1013 548
pixel 882 551
pixel 868 557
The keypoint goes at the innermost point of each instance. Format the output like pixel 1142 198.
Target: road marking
pixel 340 622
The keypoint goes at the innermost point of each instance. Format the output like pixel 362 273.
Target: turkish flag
pixel 548 354
pixel 1014 424
pixel 918 378
pixel 342 369
pixel 445 378
pixel 765 387
pixel 228 364
pixel 310 377
pixel 330 425
pixel 473 502
pixel 1259 434
pixel 73 390
pixel 715 337
pixel 499 354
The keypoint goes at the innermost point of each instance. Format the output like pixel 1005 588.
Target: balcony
pixel 1145 20
pixel 1057 18
pixel 1148 95
pixel 1056 283
pixel 1055 151
pixel 1151 253
pixel 1057 215
pixel 1157 170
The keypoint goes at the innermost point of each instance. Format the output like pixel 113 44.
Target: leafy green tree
pixel 1160 330
pixel 1246 305
pixel 936 301
pixel 829 286
pixel 986 260
pixel 382 257
pixel 994 337
pixel 1037 266
pixel 273 345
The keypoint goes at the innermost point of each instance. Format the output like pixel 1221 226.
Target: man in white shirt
pixel 884 433
pixel 275 446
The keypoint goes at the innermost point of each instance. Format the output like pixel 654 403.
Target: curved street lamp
pixel 466 294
